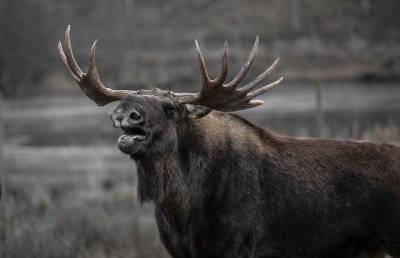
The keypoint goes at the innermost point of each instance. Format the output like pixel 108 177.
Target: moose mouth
pixel 132 140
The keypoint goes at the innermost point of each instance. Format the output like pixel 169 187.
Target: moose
pixel 224 187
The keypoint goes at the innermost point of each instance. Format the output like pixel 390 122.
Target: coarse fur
pixel 224 187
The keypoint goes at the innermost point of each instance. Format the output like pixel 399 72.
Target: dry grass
pixel 85 227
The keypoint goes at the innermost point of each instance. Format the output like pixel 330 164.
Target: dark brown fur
pixel 224 187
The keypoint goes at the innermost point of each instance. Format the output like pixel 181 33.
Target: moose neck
pixel 161 175
pixel 167 175
pixel 195 151
pixel 158 177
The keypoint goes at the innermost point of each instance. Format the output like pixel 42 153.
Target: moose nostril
pixel 119 118
pixel 134 115
pixel 116 119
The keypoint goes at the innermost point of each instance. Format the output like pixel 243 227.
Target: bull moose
pixel 224 187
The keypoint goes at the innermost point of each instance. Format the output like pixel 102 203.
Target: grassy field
pixel 69 192
pixel 73 202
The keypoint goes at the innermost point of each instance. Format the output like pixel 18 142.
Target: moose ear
pixel 197 111
pixel 169 109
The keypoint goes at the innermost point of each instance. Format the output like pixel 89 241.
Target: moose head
pixel 148 117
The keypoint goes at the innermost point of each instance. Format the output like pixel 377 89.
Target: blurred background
pixel 69 192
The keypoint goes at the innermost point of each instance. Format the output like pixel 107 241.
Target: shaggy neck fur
pixel 158 177
pixel 168 170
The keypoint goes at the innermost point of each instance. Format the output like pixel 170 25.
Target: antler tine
pixel 73 66
pixel 65 62
pixel 259 78
pixel 204 74
pixel 239 77
pixel 224 68
pixel 92 68
pixel 263 89
pixel 93 77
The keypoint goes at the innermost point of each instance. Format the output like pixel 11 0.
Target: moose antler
pixel 215 94
pixel 89 82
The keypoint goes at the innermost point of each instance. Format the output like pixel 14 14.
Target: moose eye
pixel 135 115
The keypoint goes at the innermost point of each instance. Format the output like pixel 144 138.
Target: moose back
pixel 224 187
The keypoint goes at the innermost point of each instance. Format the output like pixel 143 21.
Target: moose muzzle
pixel 135 135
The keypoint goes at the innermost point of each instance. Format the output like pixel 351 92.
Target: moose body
pixel 230 189
pixel 224 187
